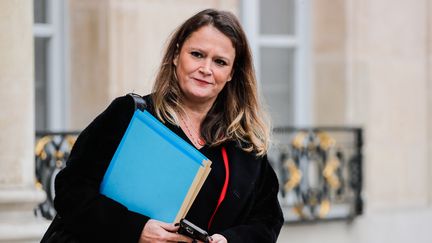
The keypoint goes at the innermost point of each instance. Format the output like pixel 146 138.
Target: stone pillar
pixel 429 95
pixel 389 94
pixel 329 61
pixel 18 195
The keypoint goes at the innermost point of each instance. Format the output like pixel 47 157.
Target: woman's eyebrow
pixel 191 48
pixel 225 58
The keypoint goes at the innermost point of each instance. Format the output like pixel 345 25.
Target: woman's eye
pixel 196 54
pixel 221 62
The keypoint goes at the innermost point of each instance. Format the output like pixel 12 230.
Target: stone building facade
pixel 368 62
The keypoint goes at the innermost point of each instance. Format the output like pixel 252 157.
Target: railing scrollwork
pixel 319 170
pixel 51 152
pixel 320 173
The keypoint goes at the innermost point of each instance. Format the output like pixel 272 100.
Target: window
pixel 49 54
pixel 278 33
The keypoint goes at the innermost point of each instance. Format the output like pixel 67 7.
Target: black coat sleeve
pixel 87 214
pixel 265 219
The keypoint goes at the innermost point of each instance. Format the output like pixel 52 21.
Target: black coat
pixel 249 213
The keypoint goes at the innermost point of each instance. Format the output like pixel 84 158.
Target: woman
pixel 205 92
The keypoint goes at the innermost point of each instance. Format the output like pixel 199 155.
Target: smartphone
pixel 193 231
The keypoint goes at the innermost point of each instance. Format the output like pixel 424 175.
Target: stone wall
pixel 18 194
pixel 376 58
pixel 329 65
pixel 388 59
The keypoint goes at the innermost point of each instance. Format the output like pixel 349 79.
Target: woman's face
pixel 204 65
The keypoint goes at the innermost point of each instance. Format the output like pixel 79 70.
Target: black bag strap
pixel 140 103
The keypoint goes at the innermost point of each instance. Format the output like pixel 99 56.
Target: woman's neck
pixel 191 118
pixel 195 111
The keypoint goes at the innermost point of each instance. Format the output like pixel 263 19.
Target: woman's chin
pixel 200 98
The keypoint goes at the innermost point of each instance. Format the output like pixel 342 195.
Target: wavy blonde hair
pixel 236 114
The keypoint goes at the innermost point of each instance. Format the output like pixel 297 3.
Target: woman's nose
pixel 205 68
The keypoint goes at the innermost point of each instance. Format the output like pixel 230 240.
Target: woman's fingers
pixel 157 231
pixel 217 238
pixel 169 227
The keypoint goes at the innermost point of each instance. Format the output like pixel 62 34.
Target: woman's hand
pixel 217 238
pixel 157 231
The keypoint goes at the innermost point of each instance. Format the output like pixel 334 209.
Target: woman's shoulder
pixel 128 100
pixel 120 110
pixel 127 103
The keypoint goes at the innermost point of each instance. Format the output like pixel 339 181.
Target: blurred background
pixel 347 84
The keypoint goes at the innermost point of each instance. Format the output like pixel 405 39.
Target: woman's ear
pixel 230 76
pixel 177 53
pixel 175 60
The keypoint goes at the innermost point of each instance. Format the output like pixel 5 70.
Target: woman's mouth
pixel 201 81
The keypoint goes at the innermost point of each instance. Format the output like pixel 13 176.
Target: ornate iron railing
pixel 319 169
pixel 320 172
pixel 52 149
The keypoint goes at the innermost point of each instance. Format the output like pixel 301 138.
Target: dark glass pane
pixel 40 11
pixel 277 83
pixel 277 17
pixel 41 82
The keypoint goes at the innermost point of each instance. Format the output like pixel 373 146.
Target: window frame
pixel 54 29
pixel 301 44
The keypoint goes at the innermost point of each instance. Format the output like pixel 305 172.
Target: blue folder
pixel 154 172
